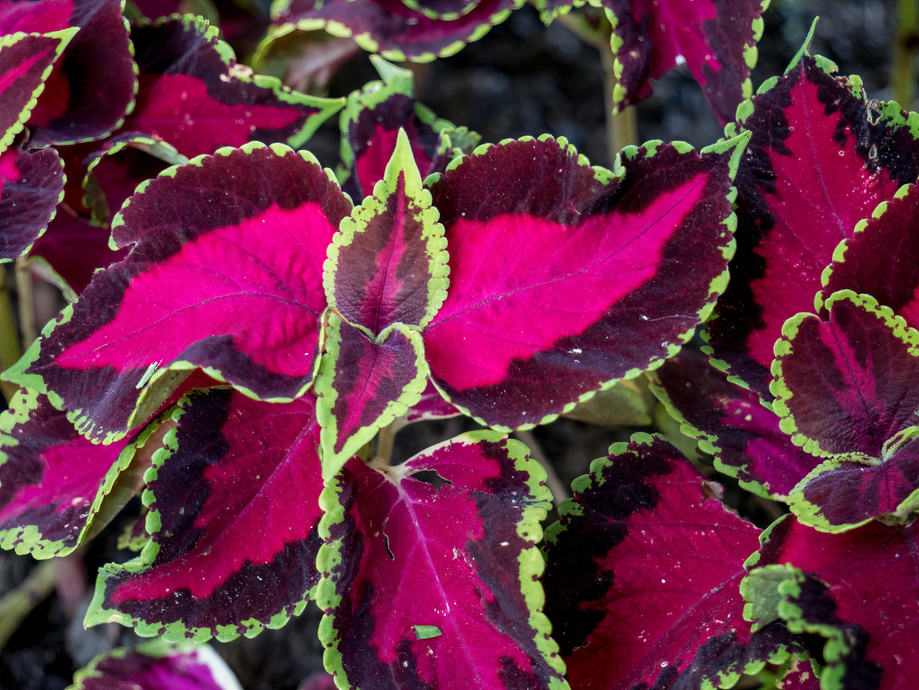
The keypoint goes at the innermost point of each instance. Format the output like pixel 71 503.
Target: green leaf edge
pixel 532 563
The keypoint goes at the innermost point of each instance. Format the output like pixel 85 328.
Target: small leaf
pixel 462 558
pixel 427 632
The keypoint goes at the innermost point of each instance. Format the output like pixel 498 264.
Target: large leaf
pixel 643 573
pixel 52 480
pixel 31 186
pixel 392 28
pixel 437 587
pixel 92 86
pixel 25 63
pixel 194 96
pixel 848 389
pixel 565 277
pixel 157 666
pixel 716 40
pixel 882 257
pixel 226 275
pixel 233 520
pixel 820 160
pixel 858 590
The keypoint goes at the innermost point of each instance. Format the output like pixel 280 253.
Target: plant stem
pixel 9 339
pixel 386 439
pixel 26 305
pixel 553 481
pixel 904 52
pixel 17 604
pixel 621 127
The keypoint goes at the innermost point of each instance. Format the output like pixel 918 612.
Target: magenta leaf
pixel 363 384
pixel 233 520
pixel 564 277
pixel 821 159
pixel 197 98
pixel 393 29
pixel 881 259
pixel 92 86
pixel 226 275
pixel 52 480
pixel 857 589
pixel 732 424
pixel 431 406
pixel 31 186
pixel 157 665
pixel 388 263
pixel 370 125
pixel 437 587
pixel 642 577
pixel 26 61
pixel 716 40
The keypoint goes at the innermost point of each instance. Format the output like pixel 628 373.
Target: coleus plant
pixel 259 331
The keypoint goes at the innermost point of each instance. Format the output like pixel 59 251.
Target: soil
pixel 521 79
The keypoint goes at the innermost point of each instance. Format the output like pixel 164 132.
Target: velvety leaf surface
pixel 92 87
pixel 820 160
pixel 69 253
pixel 194 96
pixel 370 125
pixel 233 518
pixel 31 185
pixel 363 385
pixel 157 666
pixel 565 277
pixel 857 589
pixel 388 263
pixel 731 423
pixel 882 257
pixel 715 39
pixel 848 385
pixel 436 586
pixel 226 275
pixel 394 30
pixel 642 576
pixel 25 63
pixel 52 480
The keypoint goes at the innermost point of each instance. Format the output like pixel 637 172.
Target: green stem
pixel 621 127
pixel 9 338
pixel 26 305
pixel 17 604
pixel 904 53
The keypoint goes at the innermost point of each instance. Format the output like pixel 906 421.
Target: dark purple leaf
pixel 881 259
pixel 226 275
pixel 157 666
pixel 363 385
pixel 820 160
pixel 643 573
pixel 431 406
pixel 25 64
pixel 437 587
pixel 92 86
pixel 52 480
pixel 857 589
pixel 715 39
pixel 31 186
pixel 732 424
pixel 394 30
pixel 388 263
pixel 197 98
pixel 565 277
pixel 233 518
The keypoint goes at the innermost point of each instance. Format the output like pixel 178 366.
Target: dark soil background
pixel 521 79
